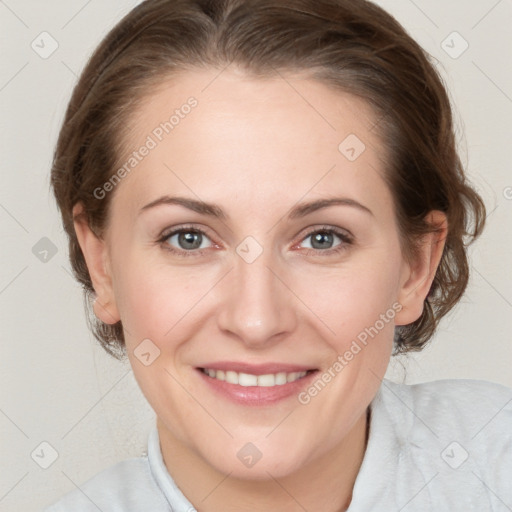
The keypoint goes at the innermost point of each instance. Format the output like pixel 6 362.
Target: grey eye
pixel 321 239
pixel 188 240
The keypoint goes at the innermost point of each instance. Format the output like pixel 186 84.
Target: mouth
pixel 255 385
pixel 248 379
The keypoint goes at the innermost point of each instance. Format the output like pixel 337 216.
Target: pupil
pixel 190 240
pixel 321 237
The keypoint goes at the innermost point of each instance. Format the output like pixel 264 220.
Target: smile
pixel 247 379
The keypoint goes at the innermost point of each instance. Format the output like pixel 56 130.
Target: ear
pixel 417 276
pixel 95 251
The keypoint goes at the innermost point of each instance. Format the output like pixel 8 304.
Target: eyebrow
pixel 214 210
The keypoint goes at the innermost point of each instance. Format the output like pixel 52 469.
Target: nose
pixel 258 306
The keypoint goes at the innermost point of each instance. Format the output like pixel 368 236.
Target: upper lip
pixel 256 369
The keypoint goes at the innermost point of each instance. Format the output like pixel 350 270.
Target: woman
pixel 208 152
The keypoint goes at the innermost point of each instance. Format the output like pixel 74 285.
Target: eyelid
pixel 326 227
pixel 167 232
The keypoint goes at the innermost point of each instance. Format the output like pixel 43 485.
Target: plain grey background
pixel 57 385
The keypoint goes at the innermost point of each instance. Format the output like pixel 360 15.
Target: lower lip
pixel 257 395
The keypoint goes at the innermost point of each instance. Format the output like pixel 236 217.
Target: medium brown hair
pixel 352 45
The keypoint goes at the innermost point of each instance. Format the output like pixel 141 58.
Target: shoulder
pixel 441 445
pixel 462 403
pixel 457 433
pixel 127 486
pixel 440 392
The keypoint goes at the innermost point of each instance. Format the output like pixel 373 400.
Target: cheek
pixel 155 298
pixel 353 302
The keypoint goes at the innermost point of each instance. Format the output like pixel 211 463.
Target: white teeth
pixel 280 378
pixel 266 380
pixel 247 379
pixel 231 377
pixel 291 377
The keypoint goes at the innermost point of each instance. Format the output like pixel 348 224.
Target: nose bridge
pixel 257 306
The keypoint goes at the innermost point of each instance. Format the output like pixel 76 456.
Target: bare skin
pixel 257 149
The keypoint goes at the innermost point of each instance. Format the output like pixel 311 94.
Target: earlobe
pixel 419 275
pixel 95 252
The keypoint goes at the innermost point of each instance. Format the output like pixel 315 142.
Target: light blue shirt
pixel 438 446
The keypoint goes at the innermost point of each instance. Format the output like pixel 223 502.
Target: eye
pixel 186 241
pixel 323 240
pixel 191 241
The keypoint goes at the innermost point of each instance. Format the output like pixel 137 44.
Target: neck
pixel 325 483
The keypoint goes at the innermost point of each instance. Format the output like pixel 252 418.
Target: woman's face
pixel 293 266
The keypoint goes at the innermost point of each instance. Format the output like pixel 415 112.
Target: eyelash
pixel 346 241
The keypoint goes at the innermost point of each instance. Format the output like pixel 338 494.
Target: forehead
pixel 223 135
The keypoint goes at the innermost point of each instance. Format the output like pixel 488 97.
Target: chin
pixel 256 461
